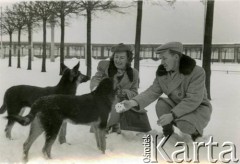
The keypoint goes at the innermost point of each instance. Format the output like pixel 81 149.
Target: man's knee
pixel 186 127
pixel 162 108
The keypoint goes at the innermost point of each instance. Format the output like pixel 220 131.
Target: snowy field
pixel 126 147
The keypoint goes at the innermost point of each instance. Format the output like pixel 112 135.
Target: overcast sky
pixel 160 23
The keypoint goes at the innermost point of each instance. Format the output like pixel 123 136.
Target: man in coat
pixel 187 106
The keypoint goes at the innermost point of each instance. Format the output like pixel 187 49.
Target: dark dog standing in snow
pixel 18 97
pixel 49 112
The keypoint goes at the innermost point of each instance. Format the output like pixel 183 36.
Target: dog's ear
pixel 76 67
pixel 74 72
pixel 63 67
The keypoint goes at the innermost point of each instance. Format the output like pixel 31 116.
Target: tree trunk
pixel 88 56
pixel 138 35
pixel 207 46
pixel 19 48
pixel 29 47
pixel 10 50
pixel 62 41
pixel 52 42
pixel 44 46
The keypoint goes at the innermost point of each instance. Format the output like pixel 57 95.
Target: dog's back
pixel 51 110
pixel 81 109
pixel 21 96
pixel 93 107
pixel 25 95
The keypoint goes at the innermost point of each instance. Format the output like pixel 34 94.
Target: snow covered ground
pixel 127 147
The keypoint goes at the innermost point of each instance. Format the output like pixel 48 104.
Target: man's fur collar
pixel 186 66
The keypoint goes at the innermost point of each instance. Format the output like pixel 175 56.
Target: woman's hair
pixel 129 56
pixel 112 70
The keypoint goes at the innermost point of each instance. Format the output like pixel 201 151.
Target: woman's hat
pixel 120 48
pixel 176 47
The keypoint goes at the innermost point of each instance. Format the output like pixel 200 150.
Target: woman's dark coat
pixel 131 89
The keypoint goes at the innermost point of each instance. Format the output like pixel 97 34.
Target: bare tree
pixel 52 22
pixel 139 26
pixel 20 23
pixel 91 7
pixel 31 21
pixel 207 45
pixel 8 24
pixel 138 34
pixel 62 10
pixel 44 10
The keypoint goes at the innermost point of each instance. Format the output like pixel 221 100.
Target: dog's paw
pixel 120 107
pixel 62 140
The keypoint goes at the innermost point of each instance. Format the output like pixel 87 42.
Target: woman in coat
pixel 125 79
pixel 187 105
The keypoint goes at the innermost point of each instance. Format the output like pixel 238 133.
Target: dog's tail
pixel 26 120
pixel 3 108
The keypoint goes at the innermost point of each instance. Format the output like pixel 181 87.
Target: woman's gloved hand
pixel 121 93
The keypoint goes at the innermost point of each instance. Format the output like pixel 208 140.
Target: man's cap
pixel 120 48
pixel 176 47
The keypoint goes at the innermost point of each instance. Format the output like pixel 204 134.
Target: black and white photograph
pixel 119 81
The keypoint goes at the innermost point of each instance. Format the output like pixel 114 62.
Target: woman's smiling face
pixel 120 60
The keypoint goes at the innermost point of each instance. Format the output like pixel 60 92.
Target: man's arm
pixel 149 95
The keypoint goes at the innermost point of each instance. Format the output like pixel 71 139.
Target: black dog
pixel 21 96
pixel 49 112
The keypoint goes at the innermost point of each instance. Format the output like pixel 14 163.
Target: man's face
pixel 169 61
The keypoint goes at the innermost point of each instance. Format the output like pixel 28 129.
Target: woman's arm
pixel 100 74
pixel 133 90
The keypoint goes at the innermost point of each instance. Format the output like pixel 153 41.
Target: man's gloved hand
pixel 125 105
pixel 165 119
pixel 120 108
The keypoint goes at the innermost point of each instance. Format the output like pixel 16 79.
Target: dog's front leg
pixel 95 129
pixel 25 157
pixel 102 139
pixel 62 133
